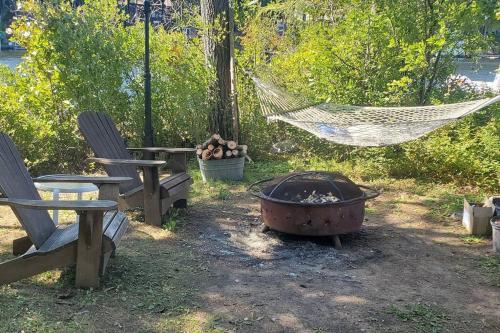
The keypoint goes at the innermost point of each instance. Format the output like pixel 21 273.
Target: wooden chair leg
pixel 337 244
pixel 89 247
pixel 181 203
pixel 152 202
pixel 104 262
pixel 21 245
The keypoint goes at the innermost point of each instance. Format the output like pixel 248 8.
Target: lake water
pixel 485 74
pixel 11 58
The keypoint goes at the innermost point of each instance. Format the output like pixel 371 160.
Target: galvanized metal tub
pixel 281 213
pixel 223 169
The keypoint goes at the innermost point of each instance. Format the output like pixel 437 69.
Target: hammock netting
pixel 360 125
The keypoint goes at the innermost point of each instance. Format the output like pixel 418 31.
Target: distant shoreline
pixel 484 75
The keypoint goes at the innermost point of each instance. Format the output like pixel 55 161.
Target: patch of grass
pixel 219 190
pixel 190 323
pixel 471 239
pixel 426 318
pixel 223 193
pixel 491 266
pixel 172 220
pixel 402 199
pixel 32 311
pixel 442 205
pixel 442 199
pixel 212 190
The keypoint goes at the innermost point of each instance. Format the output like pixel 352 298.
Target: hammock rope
pixel 360 125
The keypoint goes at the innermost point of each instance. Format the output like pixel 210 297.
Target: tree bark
pixel 217 43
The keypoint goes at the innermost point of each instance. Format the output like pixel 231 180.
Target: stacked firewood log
pixel 216 148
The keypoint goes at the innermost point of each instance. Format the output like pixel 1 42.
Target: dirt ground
pixel 405 271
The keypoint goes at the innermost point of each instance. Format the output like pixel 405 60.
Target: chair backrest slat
pixel 105 141
pixel 16 183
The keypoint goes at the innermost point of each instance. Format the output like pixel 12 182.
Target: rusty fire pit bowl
pixel 312 203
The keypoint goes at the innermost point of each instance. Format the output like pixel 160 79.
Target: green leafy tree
pixel 380 52
pixel 6 9
pixel 366 52
pixel 86 59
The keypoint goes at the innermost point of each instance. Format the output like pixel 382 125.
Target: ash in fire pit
pixel 313 203
pixel 317 198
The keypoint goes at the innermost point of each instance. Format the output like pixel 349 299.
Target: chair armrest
pixel 138 163
pixel 178 161
pixel 164 150
pixel 97 180
pixel 80 205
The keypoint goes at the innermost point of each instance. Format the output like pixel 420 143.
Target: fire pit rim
pixel 366 195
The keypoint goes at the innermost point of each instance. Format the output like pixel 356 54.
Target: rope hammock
pixel 360 125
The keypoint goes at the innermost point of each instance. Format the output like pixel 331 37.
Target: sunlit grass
pixel 190 322
pixel 424 317
pixel 491 266
pixel 471 239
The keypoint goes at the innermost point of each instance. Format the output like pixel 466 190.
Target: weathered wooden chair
pixel 155 195
pixel 89 242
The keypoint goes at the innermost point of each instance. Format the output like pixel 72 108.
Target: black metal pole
pixel 148 123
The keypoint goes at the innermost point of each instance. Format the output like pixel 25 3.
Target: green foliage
pixel 172 220
pixel 376 53
pixel 87 59
pixel 386 52
pixel 466 152
pixel 365 52
pixel 471 239
pixel 491 266
pixel 425 317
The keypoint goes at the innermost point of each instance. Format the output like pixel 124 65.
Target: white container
pixel 476 218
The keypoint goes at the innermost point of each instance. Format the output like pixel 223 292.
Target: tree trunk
pixel 217 43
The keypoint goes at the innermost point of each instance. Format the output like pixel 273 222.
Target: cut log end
pixel 206 154
pixel 218 153
pixel 218 148
pixel 243 148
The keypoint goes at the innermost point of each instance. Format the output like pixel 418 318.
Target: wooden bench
pixel 89 242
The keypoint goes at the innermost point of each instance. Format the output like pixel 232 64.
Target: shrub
pixel 86 59
pixel 358 52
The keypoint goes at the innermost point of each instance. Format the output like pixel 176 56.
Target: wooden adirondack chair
pixel 89 242
pixel 155 195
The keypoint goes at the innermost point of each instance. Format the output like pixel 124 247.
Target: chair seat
pixel 114 226
pixel 169 185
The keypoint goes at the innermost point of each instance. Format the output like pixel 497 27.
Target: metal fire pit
pixel 312 203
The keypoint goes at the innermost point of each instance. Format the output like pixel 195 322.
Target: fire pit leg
pixel 336 242
pixel 265 229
